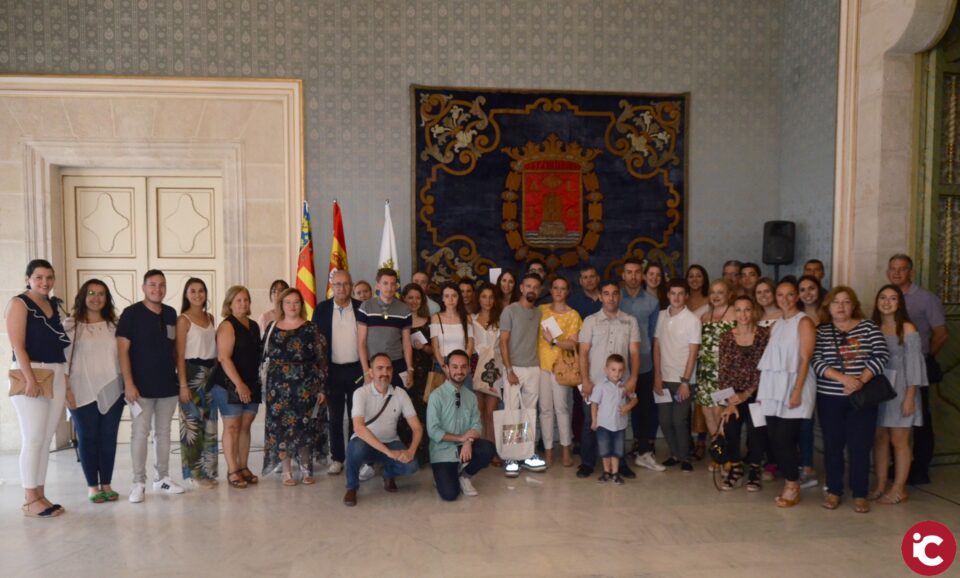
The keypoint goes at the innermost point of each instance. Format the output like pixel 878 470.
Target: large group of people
pixel 422 372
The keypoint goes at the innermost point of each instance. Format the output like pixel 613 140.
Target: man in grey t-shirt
pixel 519 328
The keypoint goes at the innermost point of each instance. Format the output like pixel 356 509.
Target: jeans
pixel 360 452
pixel 447 474
pixel 97 440
pixel 644 414
pixel 157 414
pixel 806 443
pixel 610 443
pixel 220 403
pixel 341 383
pixel 588 440
pixel 674 419
pixel 38 418
pixel 785 439
pixel 847 428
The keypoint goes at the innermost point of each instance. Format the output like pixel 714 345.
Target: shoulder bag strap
pixel 266 341
pixel 386 402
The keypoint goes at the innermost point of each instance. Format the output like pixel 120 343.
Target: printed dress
pixel 295 379
pixel 708 361
pixel 905 367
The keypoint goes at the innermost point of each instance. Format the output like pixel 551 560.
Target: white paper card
pixel 171 332
pixel 495 274
pixel 135 409
pixel 586 400
pixel 721 396
pixel 663 397
pixel 550 324
pixel 759 420
pixel 418 338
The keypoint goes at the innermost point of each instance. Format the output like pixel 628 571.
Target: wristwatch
pixel 685 380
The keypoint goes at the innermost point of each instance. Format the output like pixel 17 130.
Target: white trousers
pixel 39 418
pixel 157 413
pixel 556 403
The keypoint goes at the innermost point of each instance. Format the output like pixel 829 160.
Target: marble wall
pixel 808 78
pixel 357 60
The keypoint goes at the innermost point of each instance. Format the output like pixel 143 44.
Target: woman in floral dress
pixel 294 390
pixel 717 321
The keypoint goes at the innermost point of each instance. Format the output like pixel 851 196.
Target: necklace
pixel 384 308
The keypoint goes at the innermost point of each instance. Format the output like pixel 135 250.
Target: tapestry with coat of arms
pixel 502 177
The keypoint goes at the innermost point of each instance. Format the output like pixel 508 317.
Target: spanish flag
pixel 306 280
pixel 338 249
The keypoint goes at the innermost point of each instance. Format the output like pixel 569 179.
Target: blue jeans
pixel 610 443
pixel 806 443
pixel 360 452
pixel 97 440
pixel 447 474
pixel 850 429
pixel 227 409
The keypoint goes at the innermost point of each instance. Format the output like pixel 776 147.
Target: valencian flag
pixel 306 280
pixel 338 249
pixel 388 244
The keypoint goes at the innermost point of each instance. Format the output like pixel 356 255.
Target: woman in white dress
pixel 486 336
pixel 450 329
pixel 907 373
pixel 788 388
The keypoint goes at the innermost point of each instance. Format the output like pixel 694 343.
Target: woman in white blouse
pixel 486 333
pixel 94 369
pixel 451 328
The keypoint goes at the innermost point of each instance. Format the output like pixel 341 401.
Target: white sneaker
pixel 535 464
pixel 366 472
pixel 167 486
pixel 335 468
pixel 511 469
pixel 466 486
pixel 807 481
pixel 136 493
pixel 648 461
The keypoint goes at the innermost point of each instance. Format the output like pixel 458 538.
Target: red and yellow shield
pixel 552 203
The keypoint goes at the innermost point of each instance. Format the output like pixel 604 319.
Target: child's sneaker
pixel 617 479
pixel 604 478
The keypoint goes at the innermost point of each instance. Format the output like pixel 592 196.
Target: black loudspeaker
pixel 778 242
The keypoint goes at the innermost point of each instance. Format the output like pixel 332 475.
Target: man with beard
pixel 519 326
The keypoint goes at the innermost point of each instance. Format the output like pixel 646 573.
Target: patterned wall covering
pixel 358 58
pixel 808 125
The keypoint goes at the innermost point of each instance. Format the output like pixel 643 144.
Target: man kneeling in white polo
pixel 377 408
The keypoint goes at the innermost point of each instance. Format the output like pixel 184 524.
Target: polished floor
pixel 668 524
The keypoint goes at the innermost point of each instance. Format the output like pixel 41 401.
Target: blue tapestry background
pixel 469 152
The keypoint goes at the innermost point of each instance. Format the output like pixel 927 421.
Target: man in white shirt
pixel 676 343
pixel 377 408
pixel 336 319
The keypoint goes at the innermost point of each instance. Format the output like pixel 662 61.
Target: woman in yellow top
pixel 556 401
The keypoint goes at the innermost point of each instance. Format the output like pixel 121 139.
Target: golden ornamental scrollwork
pixel 646 136
pixel 453 131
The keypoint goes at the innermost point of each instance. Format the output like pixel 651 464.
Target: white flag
pixel 388 243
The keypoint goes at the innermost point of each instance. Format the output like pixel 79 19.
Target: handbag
pixel 264 368
pixel 18 383
pixel 434 380
pixel 515 431
pixel 719 451
pixel 566 369
pixel 487 374
pixel 874 392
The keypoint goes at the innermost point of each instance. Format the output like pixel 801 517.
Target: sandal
pixel 861 505
pixel 892 499
pixel 831 502
pixel 307 476
pixel 234 482
pixel 111 496
pixel 783 501
pixel 875 495
pixel 732 479
pixel 248 476
pixel 288 480
pixel 98 497
pixel 699 450
pixel 753 479
pixel 51 512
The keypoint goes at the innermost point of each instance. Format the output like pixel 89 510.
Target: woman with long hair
pixel 699 282
pixel 196 358
pixel 415 298
pixel 850 351
pixel 787 390
pixel 811 301
pixel 906 371
pixel 508 289
pixel 38 342
pixel 556 401
pixel 811 296
pixel 486 334
pixel 270 315
pixel 765 298
pixel 653 283
pixel 294 390
pixel 450 329
pixel 237 390
pixel 94 372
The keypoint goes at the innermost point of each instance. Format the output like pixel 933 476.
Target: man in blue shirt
pixel 645 308
pixel 454 429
